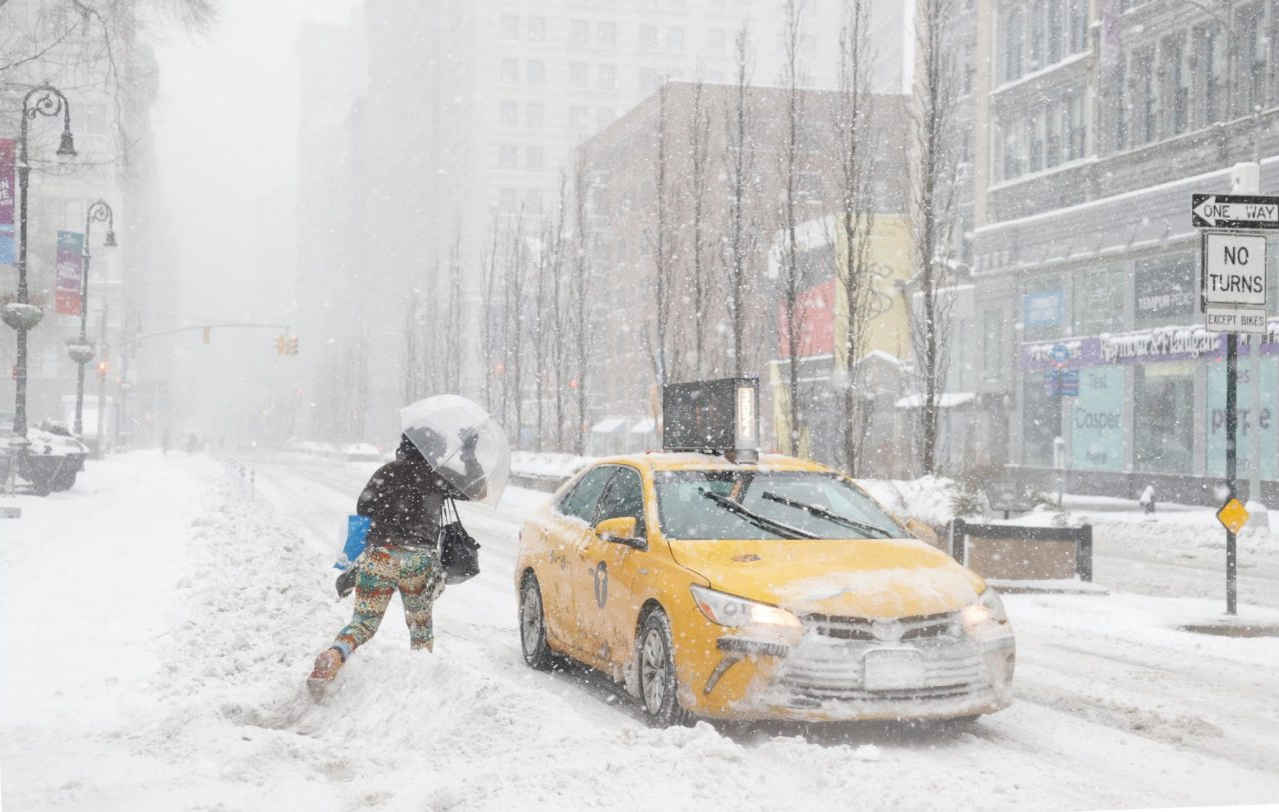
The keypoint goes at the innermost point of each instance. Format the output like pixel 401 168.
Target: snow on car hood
pixel 867 578
pixel 46 442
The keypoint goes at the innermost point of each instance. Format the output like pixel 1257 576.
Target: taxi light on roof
pixel 718 416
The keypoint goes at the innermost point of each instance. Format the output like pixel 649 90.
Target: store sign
pixel 815 318
pixel 1251 420
pixel 1043 309
pixel 1233 282
pixel 1175 343
pixel 1097 420
pixel 68 273
pixel 8 198
pixel 1165 288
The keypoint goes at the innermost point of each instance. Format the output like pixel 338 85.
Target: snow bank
pixel 929 499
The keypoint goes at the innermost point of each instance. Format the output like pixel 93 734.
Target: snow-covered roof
pixel 946 401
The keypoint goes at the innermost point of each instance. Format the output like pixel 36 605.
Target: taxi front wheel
pixel 537 654
pixel 657 682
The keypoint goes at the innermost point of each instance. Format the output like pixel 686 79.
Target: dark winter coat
pixel 405 499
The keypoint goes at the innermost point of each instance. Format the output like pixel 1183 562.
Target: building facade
pixel 1104 118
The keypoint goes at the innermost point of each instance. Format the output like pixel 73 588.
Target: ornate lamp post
pixel 21 315
pixel 81 350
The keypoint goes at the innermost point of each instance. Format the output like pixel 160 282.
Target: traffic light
pixel 102 369
pixel 281 345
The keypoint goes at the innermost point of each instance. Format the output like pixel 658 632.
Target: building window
pixel 1078 129
pixel 1013 36
pixel 1210 53
pixel 608 77
pixel 577 117
pixel 1175 85
pixel 534 158
pixel 536 71
pixel 648 80
pixel 648 37
pixel 1035 136
pixel 606 33
pixel 578 74
pixel 533 201
pixel 1252 58
pixel 1038 15
pixel 506 156
pixel 1143 69
pixel 675 40
pixel 1099 301
pixel 510 115
pixel 537 29
pixel 1043 308
pixel 579 32
pixel 1164 397
pixel 1077 11
pixel 1056 31
pixel 510 26
pixel 510 71
pixel 992 345
pixel 536 115
pixel 1053 138
pixel 507 199
pixel 1040 420
pixel 1165 290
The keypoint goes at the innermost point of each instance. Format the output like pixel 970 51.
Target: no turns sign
pixel 1233 283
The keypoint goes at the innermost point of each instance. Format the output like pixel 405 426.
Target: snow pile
pixel 929 499
pixel 547 464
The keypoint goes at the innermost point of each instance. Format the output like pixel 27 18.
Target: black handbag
pixel 346 581
pixel 459 551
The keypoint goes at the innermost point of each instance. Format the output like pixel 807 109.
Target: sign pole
pixel 1232 428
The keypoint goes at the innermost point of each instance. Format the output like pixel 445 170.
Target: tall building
pixel 109 121
pixel 1103 119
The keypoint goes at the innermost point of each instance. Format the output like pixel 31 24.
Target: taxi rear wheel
pixel 657 681
pixel 537 654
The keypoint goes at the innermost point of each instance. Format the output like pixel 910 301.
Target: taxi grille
pixel 920 627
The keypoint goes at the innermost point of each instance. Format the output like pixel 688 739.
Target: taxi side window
pixel 623 499
pixel 581 501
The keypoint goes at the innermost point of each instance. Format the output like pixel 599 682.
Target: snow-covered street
pixel 161 617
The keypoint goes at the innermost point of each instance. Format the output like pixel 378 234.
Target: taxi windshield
pixel 752 504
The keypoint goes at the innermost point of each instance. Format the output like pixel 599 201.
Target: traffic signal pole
pixel 1232 430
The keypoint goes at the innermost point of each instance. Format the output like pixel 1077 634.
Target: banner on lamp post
pixel 70 268
pixel 8 199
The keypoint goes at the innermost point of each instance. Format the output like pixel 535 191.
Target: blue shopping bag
pixel 357 530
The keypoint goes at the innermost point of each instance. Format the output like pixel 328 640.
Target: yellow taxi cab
pixel 764 588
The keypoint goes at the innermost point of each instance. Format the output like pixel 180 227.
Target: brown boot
pixel 326 668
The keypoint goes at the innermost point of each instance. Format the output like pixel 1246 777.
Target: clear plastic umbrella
pixel 438 425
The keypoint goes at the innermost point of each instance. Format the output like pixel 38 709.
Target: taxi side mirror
pixel 620 530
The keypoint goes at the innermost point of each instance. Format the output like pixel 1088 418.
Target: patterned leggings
pixel 415 572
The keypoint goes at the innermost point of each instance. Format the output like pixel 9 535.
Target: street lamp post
pixel 82 351
pixel 44 100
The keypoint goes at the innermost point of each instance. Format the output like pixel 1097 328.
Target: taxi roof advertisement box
pixel 720 415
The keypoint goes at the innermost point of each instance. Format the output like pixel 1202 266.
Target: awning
pixel 646 426
pixel 948 400
pixel 609 425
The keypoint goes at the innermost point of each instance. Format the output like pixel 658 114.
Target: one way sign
pixel 1234 211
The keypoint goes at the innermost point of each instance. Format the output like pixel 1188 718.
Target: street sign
pixel 1068 383
pixel 7 512
pixel 1060 353
pixel 1234 211
pixel 1233 281
pixel 1233 515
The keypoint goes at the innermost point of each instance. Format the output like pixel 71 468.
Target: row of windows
pixel 579 74
pixel 1183 81
pixel 603 34
pixel 1039 33
pixel 579 116
pixel 1044 138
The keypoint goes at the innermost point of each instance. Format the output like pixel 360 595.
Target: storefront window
pixel 1041 420
pixel 1250 420
pixel 1099 301
pixel 1097 420
pixel 1043 307
pixel 1164 421
pixel 1165 290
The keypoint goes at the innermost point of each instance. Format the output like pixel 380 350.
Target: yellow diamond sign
pixel 1233 515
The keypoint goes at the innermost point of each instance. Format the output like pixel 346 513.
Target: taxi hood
pixel 879 578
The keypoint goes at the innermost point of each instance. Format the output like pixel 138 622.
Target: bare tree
pixel 540 330
pixel 933 188
pixel 699 133
pixel 578 291
pixel 455 321
pixel 659 241
pixel 854 140
pixel 513 325
pixel 412 368
pixel 739 160
pixel 557 312
pixel 789 157
pixel 489 332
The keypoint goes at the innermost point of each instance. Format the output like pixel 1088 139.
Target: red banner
pixel 8 189
pixel 815 312
pixel 70 270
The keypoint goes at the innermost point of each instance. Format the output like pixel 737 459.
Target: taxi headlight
pixel 730 610
pixel 988 608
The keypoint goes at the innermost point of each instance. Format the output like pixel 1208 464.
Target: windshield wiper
pixel 762 522
pixel 822 513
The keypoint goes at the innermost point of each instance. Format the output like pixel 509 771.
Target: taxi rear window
pixel 795 499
